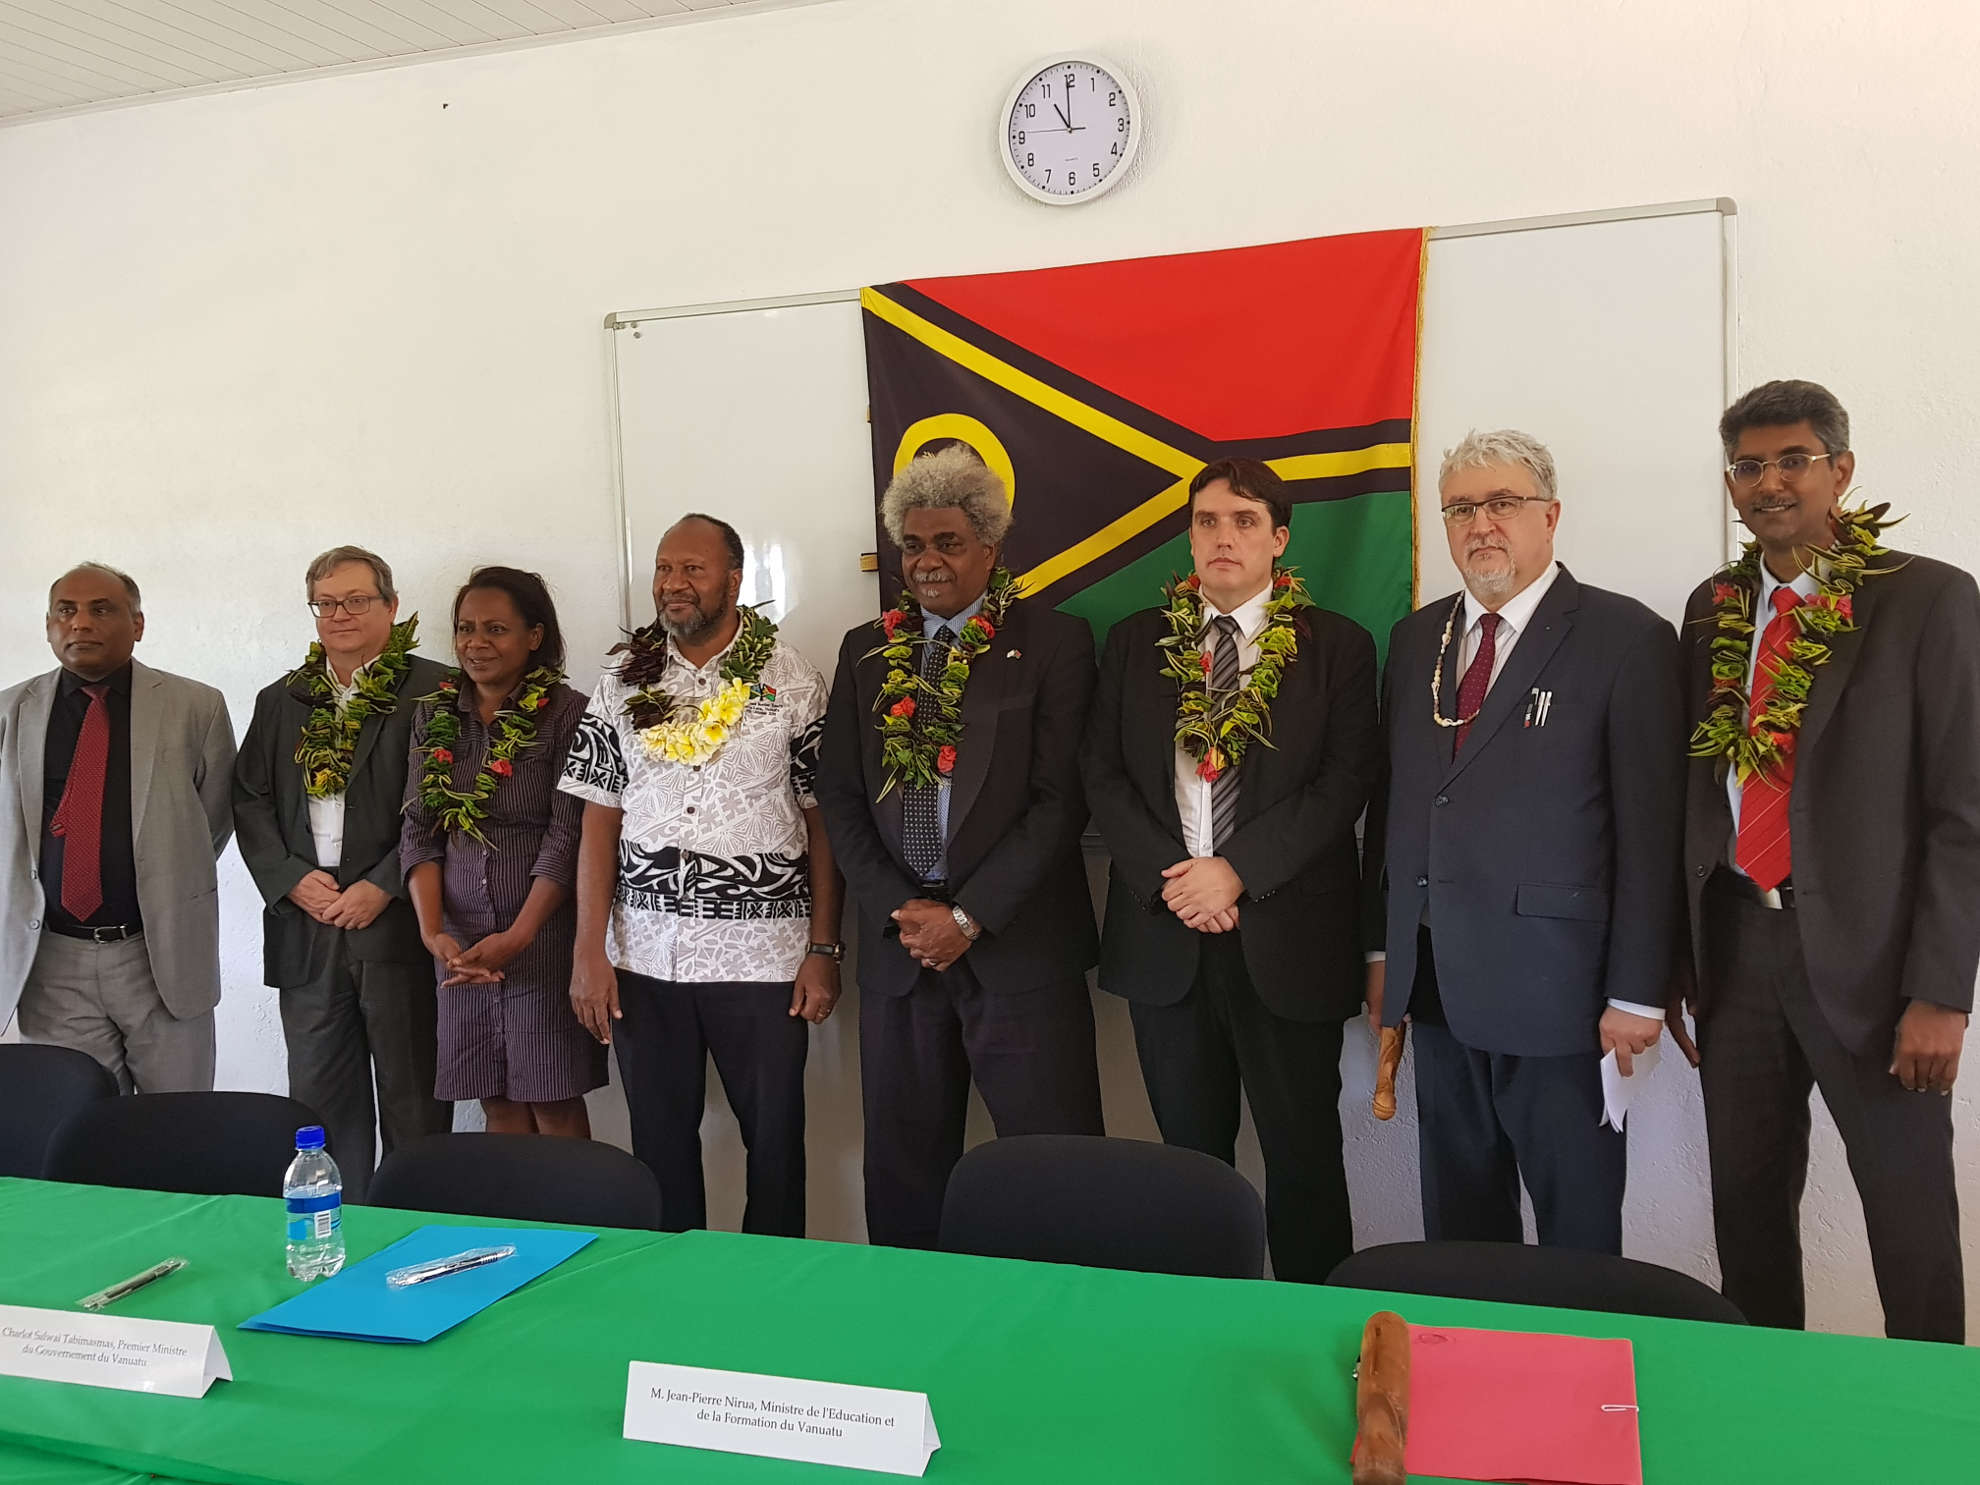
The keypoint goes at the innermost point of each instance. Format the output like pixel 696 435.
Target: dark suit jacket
pixel 271 822
pixel 1885 812
pixel 1015 811
pixel 1546 856
pixel 1293 844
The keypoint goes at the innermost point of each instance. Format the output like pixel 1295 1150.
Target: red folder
pixel 1535 1409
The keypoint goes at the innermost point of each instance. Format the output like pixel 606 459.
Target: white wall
pixel 236 329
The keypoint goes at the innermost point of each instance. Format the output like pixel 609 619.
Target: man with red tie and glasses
pixel 1832 854
pixel 116 780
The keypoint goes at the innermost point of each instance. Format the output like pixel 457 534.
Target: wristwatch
pixel 834 952
pixel 963 921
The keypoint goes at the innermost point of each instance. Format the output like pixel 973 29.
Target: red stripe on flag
pixel 1254 342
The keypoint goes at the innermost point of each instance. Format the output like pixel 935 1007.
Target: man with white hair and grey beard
pixel 1533 822
pixel 950 781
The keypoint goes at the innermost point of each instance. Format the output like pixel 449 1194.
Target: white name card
pixel 868 1428
pixel 165 1356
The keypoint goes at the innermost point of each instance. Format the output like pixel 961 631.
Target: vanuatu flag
pixel 1097 391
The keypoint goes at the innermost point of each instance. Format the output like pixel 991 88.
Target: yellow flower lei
pixel 694 741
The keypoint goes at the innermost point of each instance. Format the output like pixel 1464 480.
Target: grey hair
pixel 328 562
pixel 1502 446
pixel 952 478
pixel 129 582
pixel 1777 404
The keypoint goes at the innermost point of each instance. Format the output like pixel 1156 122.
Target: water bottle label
pixel 313 1218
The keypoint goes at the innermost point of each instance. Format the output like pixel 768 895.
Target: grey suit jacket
pixel 271 809
pixel 1885 811
pixel 1543 857
pixel 182 764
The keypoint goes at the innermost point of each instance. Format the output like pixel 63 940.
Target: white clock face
pixel 1070 130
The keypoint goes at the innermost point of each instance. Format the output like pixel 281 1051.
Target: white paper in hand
pixel 1619 1092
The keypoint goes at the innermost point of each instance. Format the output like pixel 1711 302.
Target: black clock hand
pixel 1063 117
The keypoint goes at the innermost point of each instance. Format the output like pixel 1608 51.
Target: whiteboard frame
pixel 1725 206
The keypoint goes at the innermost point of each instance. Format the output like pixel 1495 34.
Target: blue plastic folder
pixel 357 1305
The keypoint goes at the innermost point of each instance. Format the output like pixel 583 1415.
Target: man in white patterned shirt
pixel 707 899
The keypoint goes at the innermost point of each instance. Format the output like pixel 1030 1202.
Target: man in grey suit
pixel 111 943
pixel 1832 852
pixel 317 791
pixel 1533 821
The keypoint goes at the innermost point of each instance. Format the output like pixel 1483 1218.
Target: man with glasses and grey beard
pixel 1832 850
pixel 317 793
pixel 1532 828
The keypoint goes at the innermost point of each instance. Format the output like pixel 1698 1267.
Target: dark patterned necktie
pixel 1223 679
pixel 1478 678
pixel 79 817
pixel 921 820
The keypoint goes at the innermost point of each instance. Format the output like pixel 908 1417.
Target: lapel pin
pixel 1014 654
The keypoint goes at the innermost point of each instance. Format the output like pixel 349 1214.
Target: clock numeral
pixel 1048 176
pixel 1031 110
pixel 1120 124
pixel 1020 136
pixel 1046 89
pixel 1029 161
pixel 1114 149
pixel 1096 170
pixel 1111 97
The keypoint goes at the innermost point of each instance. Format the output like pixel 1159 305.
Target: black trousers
pixel 1219 1041
pixel 666 1035
pixel 1487 1120
pixel 1763 1044
pixel 1031 1055
pixel 359 1022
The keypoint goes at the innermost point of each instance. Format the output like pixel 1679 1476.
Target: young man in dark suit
pixel 1231 923
pixel 949 777
pixel 1832 853
pixel 1532 828
pixel 316 812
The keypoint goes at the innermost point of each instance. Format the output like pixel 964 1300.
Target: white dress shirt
pixel 1192 790
pixel 1805 586
pixel 326 815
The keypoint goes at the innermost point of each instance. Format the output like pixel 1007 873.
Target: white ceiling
pixel 60 55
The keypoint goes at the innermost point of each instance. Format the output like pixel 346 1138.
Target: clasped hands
pixel 930 933
pixel 1203 891
pixel 355 906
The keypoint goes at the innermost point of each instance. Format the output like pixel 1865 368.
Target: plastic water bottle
pixel 313 1191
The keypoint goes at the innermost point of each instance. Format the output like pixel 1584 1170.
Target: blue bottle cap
pixel 310 1137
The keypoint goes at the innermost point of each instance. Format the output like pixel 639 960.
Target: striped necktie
pixel 1223 678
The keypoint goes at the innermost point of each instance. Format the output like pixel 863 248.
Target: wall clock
pixel 1070 128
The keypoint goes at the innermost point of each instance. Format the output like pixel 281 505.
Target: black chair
pixel 1105 1203
pixel 39 1088
pixel 1520 1274
pixel 523 1177
pixel 205 1144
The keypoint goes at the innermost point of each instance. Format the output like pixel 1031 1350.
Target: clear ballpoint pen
pixel 440 1268
pixel 135 1282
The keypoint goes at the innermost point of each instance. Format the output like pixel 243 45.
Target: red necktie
pixel 79 817
pixel 1478 678
pixel 1762 850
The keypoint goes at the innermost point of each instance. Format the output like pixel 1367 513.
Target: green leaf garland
pixel 511 733
pixel 1217 727
pixel 329 736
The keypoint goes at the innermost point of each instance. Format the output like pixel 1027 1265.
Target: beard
pixel 695 625
pixel 1492 583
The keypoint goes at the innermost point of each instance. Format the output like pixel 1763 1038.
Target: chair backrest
pixel 524 1177
pixel 40 1087
pixel 1516 1273
pixel 206 1144
pixel 1105 1203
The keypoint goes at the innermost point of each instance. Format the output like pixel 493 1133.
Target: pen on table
pixel 440 1268
pixel 135 1282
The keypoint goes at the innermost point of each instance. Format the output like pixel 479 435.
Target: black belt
pixel 115 934
pixel 1739 885
pixel 936 891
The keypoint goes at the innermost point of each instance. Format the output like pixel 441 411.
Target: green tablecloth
pixel 1036 1373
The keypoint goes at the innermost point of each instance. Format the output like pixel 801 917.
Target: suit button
pixel 1423 881
pixel 34 873
pixel 1698 871
pixel 1442 799
pixel 34 925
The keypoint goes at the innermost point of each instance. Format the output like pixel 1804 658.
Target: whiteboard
pixel 1605 335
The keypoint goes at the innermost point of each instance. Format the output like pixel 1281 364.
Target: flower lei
pixel 1762 744
pixel 329 736
pixel 1216 727
pixel 921 720
pixel 693 732
pixel 513 731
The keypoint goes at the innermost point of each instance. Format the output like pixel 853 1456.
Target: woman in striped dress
pixel 489 847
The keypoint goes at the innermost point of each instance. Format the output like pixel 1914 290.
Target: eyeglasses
pixel 357 605
pixel 1791 466
pixel 1499 508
